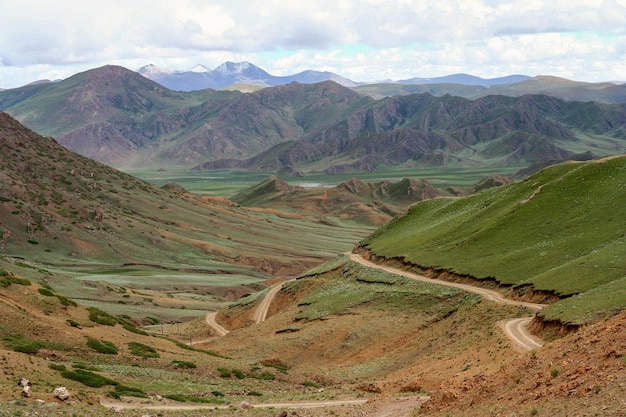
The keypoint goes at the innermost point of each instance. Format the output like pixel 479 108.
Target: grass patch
pixel 193 398
pixel 101 317
pixel 7 280
pixel 183 364
pixel 102 346
pixel 141 350
pixel 88 378
pixel 46 292
pixel 23 345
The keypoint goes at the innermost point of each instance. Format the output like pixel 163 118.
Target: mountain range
pixel 123 119
pixel 247 77
pixel 201 77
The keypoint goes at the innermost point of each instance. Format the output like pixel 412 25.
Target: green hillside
pixel 560 230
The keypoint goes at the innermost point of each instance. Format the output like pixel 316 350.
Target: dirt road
pixel 515 329
pixel 261 311
pixel 210 320
pixel 117 405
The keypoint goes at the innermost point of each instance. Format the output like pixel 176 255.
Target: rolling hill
pixel 544 85
pixel 559 232
pixel 120 118
pixel 65 216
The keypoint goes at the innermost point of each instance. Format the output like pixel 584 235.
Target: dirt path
pixel 261 311
pixel 210 320
pixel 515 329
pixel 305 404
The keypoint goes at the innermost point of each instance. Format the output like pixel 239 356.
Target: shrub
pixel 73 323
pixel 224 373
pixel 88 378
pixel 183 364
pixel 217 393
pixel 16 280
pixel 133 329
pixel 46 292
pixel 102 346
pixel 192 398
pixel 100 317
pixel 57 367
pixel 144 351
pixel 266 376
pixel 23 345
pixel 280 367
pixel 255 393
pixel 123 390
pixel 239 373
pixel 66 301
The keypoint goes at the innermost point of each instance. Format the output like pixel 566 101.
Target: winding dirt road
pixel 210 320
pixel 515 329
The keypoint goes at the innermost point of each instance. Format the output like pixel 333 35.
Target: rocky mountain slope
pixel 61 211
pixel 373 203
pixel 118 117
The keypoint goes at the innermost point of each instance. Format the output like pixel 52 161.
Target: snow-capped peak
pixel 199 68
pixel 233 67
pixel 152 70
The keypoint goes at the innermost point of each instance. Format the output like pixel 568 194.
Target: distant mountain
pixel 371 203
pixel 200 77
pixel 466 87
pixel 423 130
pixel 466 79
pixel 116 116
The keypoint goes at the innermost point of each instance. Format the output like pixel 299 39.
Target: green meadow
pixel 227 183
pixel 561 230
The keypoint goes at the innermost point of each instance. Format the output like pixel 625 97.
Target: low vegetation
pixel 566 221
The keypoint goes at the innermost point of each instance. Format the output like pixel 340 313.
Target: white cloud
pixel 364 39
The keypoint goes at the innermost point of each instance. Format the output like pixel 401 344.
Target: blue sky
pixel 364 40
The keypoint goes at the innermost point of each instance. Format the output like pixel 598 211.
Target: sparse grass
pixel 192 398
pixel 356 285
pixel 23 345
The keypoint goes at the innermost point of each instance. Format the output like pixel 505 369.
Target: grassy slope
pixel 48 320
pixel 77 220
pixel 560 230
pixel 353 324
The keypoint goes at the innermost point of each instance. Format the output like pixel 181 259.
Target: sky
pixel 363 40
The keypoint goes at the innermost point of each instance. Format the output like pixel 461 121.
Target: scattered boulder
pixel 61 393
pixel 245 405
pixel 25 384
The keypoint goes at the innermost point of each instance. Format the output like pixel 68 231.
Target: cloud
pixel 414 36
